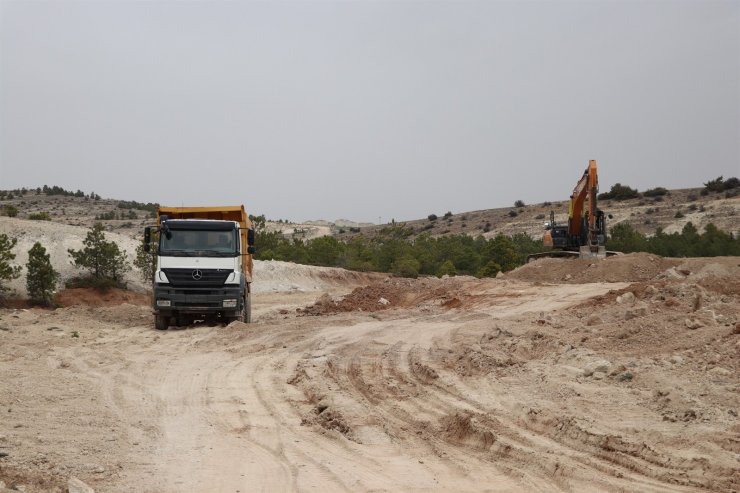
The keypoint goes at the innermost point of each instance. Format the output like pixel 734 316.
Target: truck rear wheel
pixel 161 322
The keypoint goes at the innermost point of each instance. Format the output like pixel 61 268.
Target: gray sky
pixel 360 110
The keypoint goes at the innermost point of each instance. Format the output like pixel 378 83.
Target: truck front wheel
pixel 161 322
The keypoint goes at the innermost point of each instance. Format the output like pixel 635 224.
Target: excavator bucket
pixel 592 252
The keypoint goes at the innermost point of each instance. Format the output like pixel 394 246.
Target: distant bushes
pixel 619 192
pixel 655 192
pixel 720 185
pixel 148 207
pixel 39 216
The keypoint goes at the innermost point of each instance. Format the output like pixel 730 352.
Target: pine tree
pixel 41 278
pixel 103 259
pixel 7 270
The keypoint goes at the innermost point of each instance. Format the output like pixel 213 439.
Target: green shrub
pixel 489 270
pixel 103 259
pixel 8 271
pixel 619 192
pixel 406 266
pixel 39 216
pixel 447 269
pixel 655 192
pixel 146 262
pixel 10 210
pixel 432 217
pixel 519 203
pixel 716 185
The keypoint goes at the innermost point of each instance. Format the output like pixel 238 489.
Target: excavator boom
pixel 585 233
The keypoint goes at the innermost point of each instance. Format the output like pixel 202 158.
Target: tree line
pixel 712 242
pixel 392 250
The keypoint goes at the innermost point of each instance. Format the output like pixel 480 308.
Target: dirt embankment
pixel 624 377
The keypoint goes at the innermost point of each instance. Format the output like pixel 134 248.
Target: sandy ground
pixel 618 375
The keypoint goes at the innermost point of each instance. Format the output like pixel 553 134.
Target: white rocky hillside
pixel 57 239
pixel 269 276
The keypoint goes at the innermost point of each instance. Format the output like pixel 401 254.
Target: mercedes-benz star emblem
pixel 197 275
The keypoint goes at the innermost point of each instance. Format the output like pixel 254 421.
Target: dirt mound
pixel 632 267
pixel 390 293
pixel 286 277
pixel 93 297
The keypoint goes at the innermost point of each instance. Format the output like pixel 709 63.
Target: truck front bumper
pixel 170 301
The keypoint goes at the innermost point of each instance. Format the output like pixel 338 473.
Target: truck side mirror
pixel 251 250
pixel 250 237
pixel 147 238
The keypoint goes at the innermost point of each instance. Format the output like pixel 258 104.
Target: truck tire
pixel 161 322
pixel 248 309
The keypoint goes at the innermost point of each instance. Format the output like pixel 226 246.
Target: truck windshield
pixel 195 243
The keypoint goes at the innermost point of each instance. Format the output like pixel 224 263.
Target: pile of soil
pixel 389 293
pixel 632 267
pixel 93 297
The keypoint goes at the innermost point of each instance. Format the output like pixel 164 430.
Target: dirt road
pixel 448 385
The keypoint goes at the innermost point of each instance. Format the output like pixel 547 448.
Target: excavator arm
pixel 584 194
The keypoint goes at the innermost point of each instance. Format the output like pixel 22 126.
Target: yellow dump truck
pixel 204 265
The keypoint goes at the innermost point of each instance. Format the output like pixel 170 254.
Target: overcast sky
pixel 366 110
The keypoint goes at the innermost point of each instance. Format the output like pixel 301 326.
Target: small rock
pixel 383 301
pixel 718 370
pixel 568 277
pixel 601 366
pixel 599 375
pixel 74 485
pixel 671 273
pixel 651 291
pixel 637 311
pixel 627 297
pixel 593 320
pixel 693 323
pixel 676 359
pixel 626 376
pixel 736 328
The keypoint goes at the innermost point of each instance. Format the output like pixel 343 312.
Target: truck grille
pixel 197 278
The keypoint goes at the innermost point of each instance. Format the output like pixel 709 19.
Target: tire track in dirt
pixel 367 372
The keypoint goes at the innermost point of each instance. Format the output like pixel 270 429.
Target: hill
pixel 670 212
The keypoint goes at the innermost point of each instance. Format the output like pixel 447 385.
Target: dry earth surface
pixel 616 375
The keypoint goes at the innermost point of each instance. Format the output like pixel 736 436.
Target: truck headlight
pixel 162 278
pixel 229 303
pixel 164 303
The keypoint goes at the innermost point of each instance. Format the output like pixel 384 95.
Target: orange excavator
pixel 585 234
